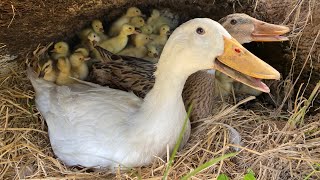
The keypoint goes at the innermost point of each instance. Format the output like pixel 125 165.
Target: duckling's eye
pixel 141 21
pixel 233 21
pixel 137 11
pixel 200 31
pixel 130 28
pixel 59 47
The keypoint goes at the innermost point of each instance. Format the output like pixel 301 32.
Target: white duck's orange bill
pixel 241 65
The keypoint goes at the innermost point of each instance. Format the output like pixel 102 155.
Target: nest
pixel 277 143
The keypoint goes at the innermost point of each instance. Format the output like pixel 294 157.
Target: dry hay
pixel 272 147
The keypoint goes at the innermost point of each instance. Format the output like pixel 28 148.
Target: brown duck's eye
pixel 233 21
pixel 200 30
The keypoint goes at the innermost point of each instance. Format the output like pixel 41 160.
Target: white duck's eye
pixel 233 21
pixel 200 31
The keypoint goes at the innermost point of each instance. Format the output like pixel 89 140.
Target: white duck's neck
pixel 162 114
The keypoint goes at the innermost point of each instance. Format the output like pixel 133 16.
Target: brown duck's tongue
pixel 241 65
pixel 266 32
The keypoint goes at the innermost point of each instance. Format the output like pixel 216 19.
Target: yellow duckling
pixel 137 22
pixel 94 39
pixel 118 43
pixel 156 20
pixel 79 66
pixel 84 51
pixel 48 72
pixel 152 54
pixel 60 49
pixel 146 29
pixel 139 50
pixel 224 84
pixel 64 67
pixel 161 39
pixel 97 27
pixel 116 27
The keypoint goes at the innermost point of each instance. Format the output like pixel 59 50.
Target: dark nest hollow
pixel 273 147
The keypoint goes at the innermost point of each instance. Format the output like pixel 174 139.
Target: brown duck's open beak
pixel 241 65
pixel 266 32
pixel 41 74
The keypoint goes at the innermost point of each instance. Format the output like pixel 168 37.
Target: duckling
pixel 116 27
pixel 94 39
pixel 139 50
pixel 64 67
pixel 97 27
pixel 152 54
pixel 84 51
pixel 78 65
pixel 137 22
pixel 146 29
pixel 161 39
pixel 156 20
pixel 60 49
pixel 118 43
pixel 224 84
pixel 47 71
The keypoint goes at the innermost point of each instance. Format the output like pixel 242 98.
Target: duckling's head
pixel 133 11
pixel 155 13
pixel 128 30
pixel 97 26
pixel 164 30
pixel 245 28
pixel 196 44
pixel 63 64
pixel 93 38
pixel 47 67
pixel 141 39
pixel 146 29
pixel 222 77
pixel 137 21
pixel 152 51
pixel 77 58
pixel 61 48
pixel 83 51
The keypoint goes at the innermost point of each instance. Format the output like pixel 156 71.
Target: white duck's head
pixel 196 44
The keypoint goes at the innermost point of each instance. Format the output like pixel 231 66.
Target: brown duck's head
pixel 245 29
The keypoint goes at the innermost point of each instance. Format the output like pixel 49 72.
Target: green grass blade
pixel 207 164
pixel 177 145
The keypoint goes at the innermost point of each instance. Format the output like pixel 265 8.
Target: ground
pixel 274 149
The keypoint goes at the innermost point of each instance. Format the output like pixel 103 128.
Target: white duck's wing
pixel 85 123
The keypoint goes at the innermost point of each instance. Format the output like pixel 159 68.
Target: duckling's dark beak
pixel 87 59
pixel 155 55
pixel 101 30
pixel 241 65
pixel 94 43
pixel 41 74
pixel 137 30
pixel 266 32
pixel 169 33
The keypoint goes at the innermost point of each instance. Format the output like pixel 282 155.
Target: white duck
pixel 99 126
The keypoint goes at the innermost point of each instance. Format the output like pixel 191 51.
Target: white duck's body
pixel 99 126
pixel 105 127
